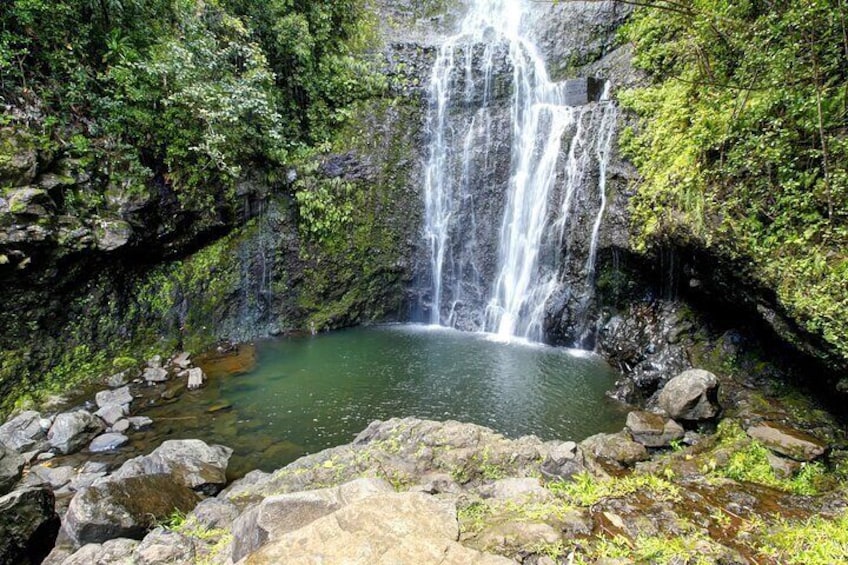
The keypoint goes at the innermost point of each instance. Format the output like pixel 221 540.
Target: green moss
pixel 354 233
pixel 742 150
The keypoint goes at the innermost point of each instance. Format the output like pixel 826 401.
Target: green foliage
pixel 749 462
pixel 587 490
pixel 325 208
pixel 174 521
pixel 192 93
pixel 815 541
pixel 742 143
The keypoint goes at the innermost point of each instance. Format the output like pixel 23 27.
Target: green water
pixel 310 393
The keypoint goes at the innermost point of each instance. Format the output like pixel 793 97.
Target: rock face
pixel 163 546
pixel 191 462
pixel 72 430
pixel 563 461
pixel 23 432
pixel 278 515
pixel 28 526
pixel 11 466
pixel 787 441
pixel 124 508
pixel 652 430
pixel 691 396
pixel 113 552
pixel 385 528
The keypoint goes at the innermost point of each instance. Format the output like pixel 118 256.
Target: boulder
pixel 112 234
pixel 783 467
pixel 691 396
pixel 118 379
pixel 108 442
pixel 163 546
pixel 182 360
pixel 56 477
pixel 72 430
pixel 563 460
pixel 155 375
pixel 195 378
pixel 280 514
pixel 113 552
pixel 652 430
pixel 140 422
pixel 23 432
pixel 516 489
pixel 125 507
pixel 29 201
pixel 28 525
pixel 11 467
pixel 513 537
pixel 191 463
pixel 384 528
pixel 617 448
pixel 119 396
pixel 214 513
pixel 111 413
pixel 787 441
pixel 120 427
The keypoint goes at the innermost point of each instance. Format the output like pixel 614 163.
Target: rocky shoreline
pixel 707 475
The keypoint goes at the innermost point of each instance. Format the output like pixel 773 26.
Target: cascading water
pixel 491 101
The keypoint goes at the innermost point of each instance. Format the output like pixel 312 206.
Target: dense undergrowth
pixel 742 143
pixel 192 93
pixel 171 115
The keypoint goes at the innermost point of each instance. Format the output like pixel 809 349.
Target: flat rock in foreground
pixel 381 529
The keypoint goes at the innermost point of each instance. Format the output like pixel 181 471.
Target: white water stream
pixel 555 149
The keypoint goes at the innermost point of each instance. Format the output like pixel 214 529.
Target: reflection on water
pixel 308 393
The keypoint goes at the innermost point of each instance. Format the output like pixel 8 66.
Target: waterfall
pixel 493 104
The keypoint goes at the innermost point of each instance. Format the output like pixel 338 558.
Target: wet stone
pixel 121 426
pixel 108 442
pixel 619 448
pixel 118 379
pixel 195 378
pixel 155 375
pixel 140 422
pixel 118 397
pixel 56 477
pixel 112 413
pixel 652 430
pixel 787 441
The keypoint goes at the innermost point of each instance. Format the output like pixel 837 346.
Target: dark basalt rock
pixel 125 507
pixel 28 526
pixel 11 466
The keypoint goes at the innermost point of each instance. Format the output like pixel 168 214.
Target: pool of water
pixel 308 393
